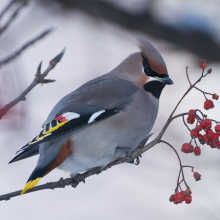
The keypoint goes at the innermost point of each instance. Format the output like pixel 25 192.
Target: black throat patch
pixel 154 87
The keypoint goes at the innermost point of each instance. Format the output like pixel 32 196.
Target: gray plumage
pixel 130 92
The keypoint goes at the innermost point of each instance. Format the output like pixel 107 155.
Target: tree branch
pixel 7 7
pixel 14 14
pixel 25 46
pixel 77 179
pixel 131 157
pixel 198 42
pixel 39 79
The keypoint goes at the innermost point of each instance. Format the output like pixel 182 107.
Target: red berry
pixel 171 198
pixel 188 200
pixel 198 128
pixel 213 145
pixel 205 138
pixel 215 137
pixel 209 70
pixel 217 129
pixel 187 192
pixel 202 64
pixel 190 119
pixel 201 139
pixel 208 104
pixel 203 124
pixel 194 133
pixel 218 145
pixel 207 123
pixel 190 148
pixel 178 197
pixel 209 133
pixel 215 96
pixel 186 148
pixel 197 176
pixel 191 112
pixel 197 151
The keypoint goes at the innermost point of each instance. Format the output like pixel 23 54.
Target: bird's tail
pixel 35 177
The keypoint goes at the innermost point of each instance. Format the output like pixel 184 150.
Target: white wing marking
pixel 95 115
pixel 70 115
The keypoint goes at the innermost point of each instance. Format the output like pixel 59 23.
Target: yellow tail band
pixel 30 185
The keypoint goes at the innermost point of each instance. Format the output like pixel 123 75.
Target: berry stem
pixel 189 167
pixel 203 92
pixel 215 121
pixel 188 90
pixel 180 115
pixel 181 170
pixel 195 142
pixel 185 123
pixel 188 76
pixel 198 110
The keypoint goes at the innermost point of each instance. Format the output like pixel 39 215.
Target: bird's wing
pixel 90 103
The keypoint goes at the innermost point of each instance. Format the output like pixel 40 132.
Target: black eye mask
pixel 148 71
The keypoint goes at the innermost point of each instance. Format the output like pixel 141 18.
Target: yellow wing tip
pixel 30 185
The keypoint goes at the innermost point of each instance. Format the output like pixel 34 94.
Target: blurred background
pixel 97 35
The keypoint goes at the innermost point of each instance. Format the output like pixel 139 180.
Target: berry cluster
pixel 204 132
pixel 209 137
pixel 181 196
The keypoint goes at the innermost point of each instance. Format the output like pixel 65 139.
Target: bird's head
pixel 153 64
pixel 146 69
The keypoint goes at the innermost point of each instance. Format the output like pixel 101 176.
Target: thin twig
pixel 13 16
pixel 25 46
pixel 7 7
pixel 188 76
pixel 188 167
pixel 204 93
pixel 179 163
pixel 39 79
pixel 185 123
pixel 180 115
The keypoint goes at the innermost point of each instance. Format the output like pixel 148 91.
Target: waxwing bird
pixel 90 126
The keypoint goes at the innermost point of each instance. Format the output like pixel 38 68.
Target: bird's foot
pixel 129 152
pixel 75 182
pixel 136 161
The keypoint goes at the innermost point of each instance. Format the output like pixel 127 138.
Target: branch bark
pixel 39 79
pixel 200 43
pixel 25 46
pixel 7 7
pixel 14 14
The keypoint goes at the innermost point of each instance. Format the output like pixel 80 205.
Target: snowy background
pixel 94 47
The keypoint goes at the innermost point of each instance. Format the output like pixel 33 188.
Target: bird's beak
pixel 166 80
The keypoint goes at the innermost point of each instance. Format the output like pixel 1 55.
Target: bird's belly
pixel 95 144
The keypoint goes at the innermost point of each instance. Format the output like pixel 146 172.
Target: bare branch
pixel 135 154
pixel 146 22
pixel 13 16
pixel 25 46
pixel 7 7
pixel 39 79
pixel 188 76
pixel 77 179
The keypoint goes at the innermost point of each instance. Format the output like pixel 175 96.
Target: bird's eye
pixel 147 70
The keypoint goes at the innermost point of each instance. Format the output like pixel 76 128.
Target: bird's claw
pixel 129 160
pixel 75 182
pixel 137 161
